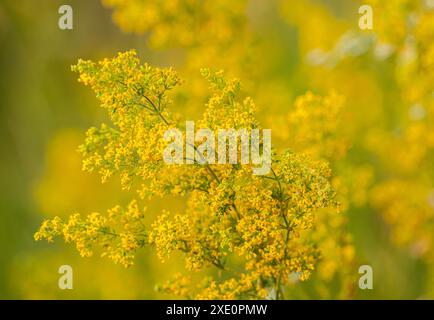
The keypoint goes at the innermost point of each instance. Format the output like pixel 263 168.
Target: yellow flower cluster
pixel 135 97
pixel 116 235
pixel 257 230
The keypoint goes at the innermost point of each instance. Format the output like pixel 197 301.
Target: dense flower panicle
pixel 256 229
pixel 225 100
pixel 116 235
pixel 135 97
